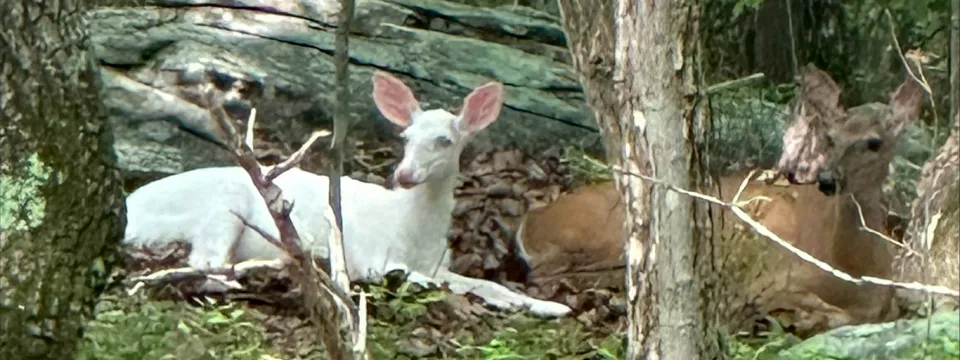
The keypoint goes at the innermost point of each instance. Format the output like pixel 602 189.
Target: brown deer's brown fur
pixel 846 154
pixel 587 248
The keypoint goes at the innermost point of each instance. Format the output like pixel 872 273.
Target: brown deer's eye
pixel 874 144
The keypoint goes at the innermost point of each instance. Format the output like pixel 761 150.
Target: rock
pixel 154 58
pixel 893 340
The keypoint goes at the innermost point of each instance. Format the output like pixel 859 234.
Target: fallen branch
pixel 763 230
pixel 177 275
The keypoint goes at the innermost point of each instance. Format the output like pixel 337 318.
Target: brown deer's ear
pixel 904 106
pixel 820 94
pixel 394 99
pixel 804 141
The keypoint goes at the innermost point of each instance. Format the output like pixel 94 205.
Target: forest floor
pixel 266 319
pixel 404 322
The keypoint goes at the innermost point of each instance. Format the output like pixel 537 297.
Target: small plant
pixel 584 168
pixel 496 349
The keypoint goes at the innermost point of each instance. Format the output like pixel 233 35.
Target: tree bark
pixel 588 25
pixel 955 60
pixel 62 199
pixel 647 67
pixel 657 77
pixel 934 229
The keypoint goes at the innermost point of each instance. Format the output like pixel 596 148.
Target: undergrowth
pixel 133 327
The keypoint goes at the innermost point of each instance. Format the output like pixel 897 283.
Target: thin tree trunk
pixel 62 214
pixel 955 60
pixel 347 326
pixel 657 60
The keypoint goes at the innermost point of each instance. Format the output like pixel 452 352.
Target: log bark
pixel 62 214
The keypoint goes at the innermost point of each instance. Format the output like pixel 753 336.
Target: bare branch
pixel 863 226
pixel 735 83
pixel 295 158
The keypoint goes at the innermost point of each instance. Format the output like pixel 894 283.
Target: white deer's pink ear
pixel 481 107
pixel 394 99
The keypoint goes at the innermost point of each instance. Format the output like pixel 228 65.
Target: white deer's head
pixel 434 138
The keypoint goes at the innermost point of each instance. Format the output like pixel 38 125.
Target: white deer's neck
pixel 432 198
pixel 426 210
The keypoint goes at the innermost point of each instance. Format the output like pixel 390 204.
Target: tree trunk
pixel 955 60
pixel 657 72
pixel 61 195
pixel 588 25
pixel 934 229
pixel 657 83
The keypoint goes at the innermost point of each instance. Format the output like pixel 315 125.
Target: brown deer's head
pixel 844 152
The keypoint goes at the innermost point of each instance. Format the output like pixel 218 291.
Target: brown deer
pixel 580 235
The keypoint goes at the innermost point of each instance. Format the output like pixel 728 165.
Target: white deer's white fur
pixel 383 230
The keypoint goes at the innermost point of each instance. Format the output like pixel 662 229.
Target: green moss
pixel 937 337
pixel 21 205
pixel 135 328
pixel 583 168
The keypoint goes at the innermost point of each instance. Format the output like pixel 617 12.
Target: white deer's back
pixel 181 206
pixel 383 229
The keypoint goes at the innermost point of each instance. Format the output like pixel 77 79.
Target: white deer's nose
pixel 405 178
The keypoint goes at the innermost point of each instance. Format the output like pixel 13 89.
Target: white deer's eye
pixel 443 141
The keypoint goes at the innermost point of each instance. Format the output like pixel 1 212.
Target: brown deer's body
pixel 581 233
pixel 589 247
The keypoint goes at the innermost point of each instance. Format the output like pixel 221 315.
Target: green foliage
pixel 748 125
pixel 400 309
pixel 741 5
pixel 764 347
pixel 583 168
pixel 403 302
pixel 134 328
pixel 526 338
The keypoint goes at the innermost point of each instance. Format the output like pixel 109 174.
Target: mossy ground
pixel 402 325
pixel 133 327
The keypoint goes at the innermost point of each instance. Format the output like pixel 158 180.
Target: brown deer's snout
pixel 827 182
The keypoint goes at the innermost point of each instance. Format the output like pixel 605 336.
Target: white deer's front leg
pixel 500 296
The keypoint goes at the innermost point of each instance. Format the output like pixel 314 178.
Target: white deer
pixel 383 230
